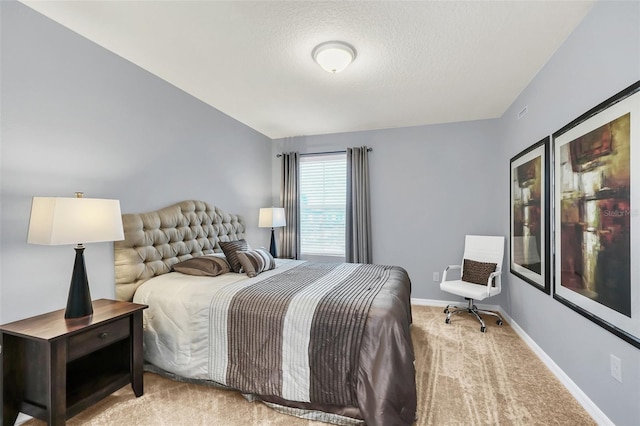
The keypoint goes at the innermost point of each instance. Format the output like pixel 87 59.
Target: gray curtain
pixel 289 196
pixel 358 238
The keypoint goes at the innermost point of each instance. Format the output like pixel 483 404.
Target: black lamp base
pixel 79 301
pixel 272 247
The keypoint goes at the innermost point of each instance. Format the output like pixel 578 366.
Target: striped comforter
pixel 298 333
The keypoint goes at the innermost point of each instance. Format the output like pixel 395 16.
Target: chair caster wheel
pixel 446 310
pixel 447 320
pixel 483 329
pixel 499 322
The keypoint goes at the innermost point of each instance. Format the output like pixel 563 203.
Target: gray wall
pixel 600 58
pixel 430 186
pixel 76 117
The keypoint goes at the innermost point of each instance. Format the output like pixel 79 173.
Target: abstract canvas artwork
pixel 596 224
pixel 595 215
pixel 529 239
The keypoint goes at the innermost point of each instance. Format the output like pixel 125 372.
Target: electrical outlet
pixel 436 276
pixel 616 368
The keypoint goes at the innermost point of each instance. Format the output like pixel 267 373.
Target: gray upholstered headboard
pixel 155 241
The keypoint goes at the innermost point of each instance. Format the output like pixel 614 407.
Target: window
pixel 323 199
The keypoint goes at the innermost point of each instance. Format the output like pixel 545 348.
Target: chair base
pixel 473 310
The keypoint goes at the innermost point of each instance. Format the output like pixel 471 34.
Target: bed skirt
pixel 306 411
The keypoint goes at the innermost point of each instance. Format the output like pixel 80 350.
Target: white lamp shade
pixel 56 221
pixel 271 217
pixel 334 56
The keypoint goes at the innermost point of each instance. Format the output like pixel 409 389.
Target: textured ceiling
pixel 420 62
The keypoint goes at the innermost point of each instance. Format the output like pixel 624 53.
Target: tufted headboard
pixel 155 241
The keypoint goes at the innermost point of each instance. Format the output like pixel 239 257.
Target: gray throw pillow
pixel 230 248
pixel 255 261
pixel 203 266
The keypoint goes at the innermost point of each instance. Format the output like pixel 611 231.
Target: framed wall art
pixel 530 216
pixel 597 214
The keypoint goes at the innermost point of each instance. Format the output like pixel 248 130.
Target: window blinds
pixel 323 198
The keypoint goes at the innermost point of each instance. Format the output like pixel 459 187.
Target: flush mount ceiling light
pixel 333 56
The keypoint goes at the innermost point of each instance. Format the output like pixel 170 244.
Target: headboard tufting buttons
pixel 156 240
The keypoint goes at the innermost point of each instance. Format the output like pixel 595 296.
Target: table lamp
pixel 272 217
pixel 58 221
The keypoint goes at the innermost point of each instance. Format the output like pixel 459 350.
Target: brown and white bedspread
pixel 318 334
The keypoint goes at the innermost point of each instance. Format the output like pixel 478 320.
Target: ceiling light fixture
pixel 333 56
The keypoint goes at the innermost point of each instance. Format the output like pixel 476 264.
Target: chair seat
pixel 469 290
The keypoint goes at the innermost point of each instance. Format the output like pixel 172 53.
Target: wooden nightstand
pixel 53 368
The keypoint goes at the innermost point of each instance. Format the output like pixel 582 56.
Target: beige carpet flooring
pixel 464 377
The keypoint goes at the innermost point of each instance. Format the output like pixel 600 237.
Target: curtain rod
pixel 325 152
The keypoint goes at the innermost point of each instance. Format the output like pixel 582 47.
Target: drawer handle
pixel 103 335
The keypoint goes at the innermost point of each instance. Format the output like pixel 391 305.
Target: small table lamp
pixel 57 221
pixel 272 217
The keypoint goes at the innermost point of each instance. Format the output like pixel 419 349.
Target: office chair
pixel 479 277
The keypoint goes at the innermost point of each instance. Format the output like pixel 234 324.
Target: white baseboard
pixel 582 398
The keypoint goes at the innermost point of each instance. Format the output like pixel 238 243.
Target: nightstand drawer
pixel 98 337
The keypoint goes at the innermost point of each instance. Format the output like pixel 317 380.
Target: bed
pixel 323 341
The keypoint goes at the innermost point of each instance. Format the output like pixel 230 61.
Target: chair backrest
pixel 484 249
